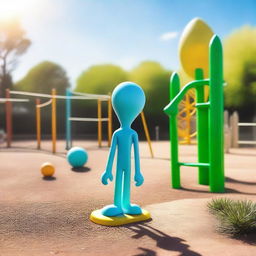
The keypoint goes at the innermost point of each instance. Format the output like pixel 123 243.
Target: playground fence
pixel 235 131
pixel 52 98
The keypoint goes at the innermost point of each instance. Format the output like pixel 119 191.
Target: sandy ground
pixel 50 217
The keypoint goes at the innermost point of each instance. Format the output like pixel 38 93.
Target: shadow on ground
pixel 162 240
pixel 227 191
pixel 249 238
pixel 49 178
pixel 231 180
pixel 81 169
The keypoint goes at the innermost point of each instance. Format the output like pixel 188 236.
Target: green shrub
pixel 236 217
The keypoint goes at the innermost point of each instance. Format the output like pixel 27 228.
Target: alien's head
pixel 128 100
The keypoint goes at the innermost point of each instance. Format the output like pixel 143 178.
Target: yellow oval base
pixel 97 217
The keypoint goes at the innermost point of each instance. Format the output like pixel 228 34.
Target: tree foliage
pixel 151 76
pixel 13 43
pixel 100 79
pixel 43 77
pixel 240 67
pixel 154 79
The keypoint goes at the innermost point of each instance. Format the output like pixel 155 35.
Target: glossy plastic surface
pixel 128 100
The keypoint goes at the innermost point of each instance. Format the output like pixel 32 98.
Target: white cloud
pixel 168 36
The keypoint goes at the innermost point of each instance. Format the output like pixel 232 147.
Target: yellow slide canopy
pixel 194 47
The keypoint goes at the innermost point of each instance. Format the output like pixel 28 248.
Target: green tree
pixel 154 80
pixel 240 68
pixel 43 77
pixel 13 43
pixel 100 79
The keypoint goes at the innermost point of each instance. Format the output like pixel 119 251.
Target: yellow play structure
pixel 193 53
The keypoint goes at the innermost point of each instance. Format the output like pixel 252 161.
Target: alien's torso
pixel 124 143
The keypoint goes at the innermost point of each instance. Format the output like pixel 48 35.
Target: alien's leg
pixel 126 204
pixel 116 208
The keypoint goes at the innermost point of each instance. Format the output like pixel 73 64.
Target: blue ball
pixel 77 157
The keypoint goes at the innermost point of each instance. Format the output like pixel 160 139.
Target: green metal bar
pixel 216 118
pixel 175 168
pixel 172 107
pixel 203 105
pixel 202 132
pixel 195 164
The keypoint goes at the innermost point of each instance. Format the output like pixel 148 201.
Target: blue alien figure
pixel 128 100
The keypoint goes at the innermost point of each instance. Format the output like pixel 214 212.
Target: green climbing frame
pixel 210 128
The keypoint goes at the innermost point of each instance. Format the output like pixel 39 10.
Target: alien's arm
pixel 108 172
pixel 111 153
pixel 138 178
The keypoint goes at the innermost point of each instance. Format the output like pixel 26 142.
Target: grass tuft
pixel 236 217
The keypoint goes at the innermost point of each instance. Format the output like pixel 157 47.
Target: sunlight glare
pixel 10 9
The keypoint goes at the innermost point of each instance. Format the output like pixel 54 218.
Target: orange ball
pixel 47 169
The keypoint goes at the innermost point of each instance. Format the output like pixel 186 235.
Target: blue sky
pixel 79 33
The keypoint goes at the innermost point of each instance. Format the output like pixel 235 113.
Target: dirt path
pixel 42 217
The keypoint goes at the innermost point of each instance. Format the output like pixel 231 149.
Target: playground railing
pixel 39 106
pixel 52 101
pixel 8 114
pixel 69 96
pixel 234 129
pixel 100 98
